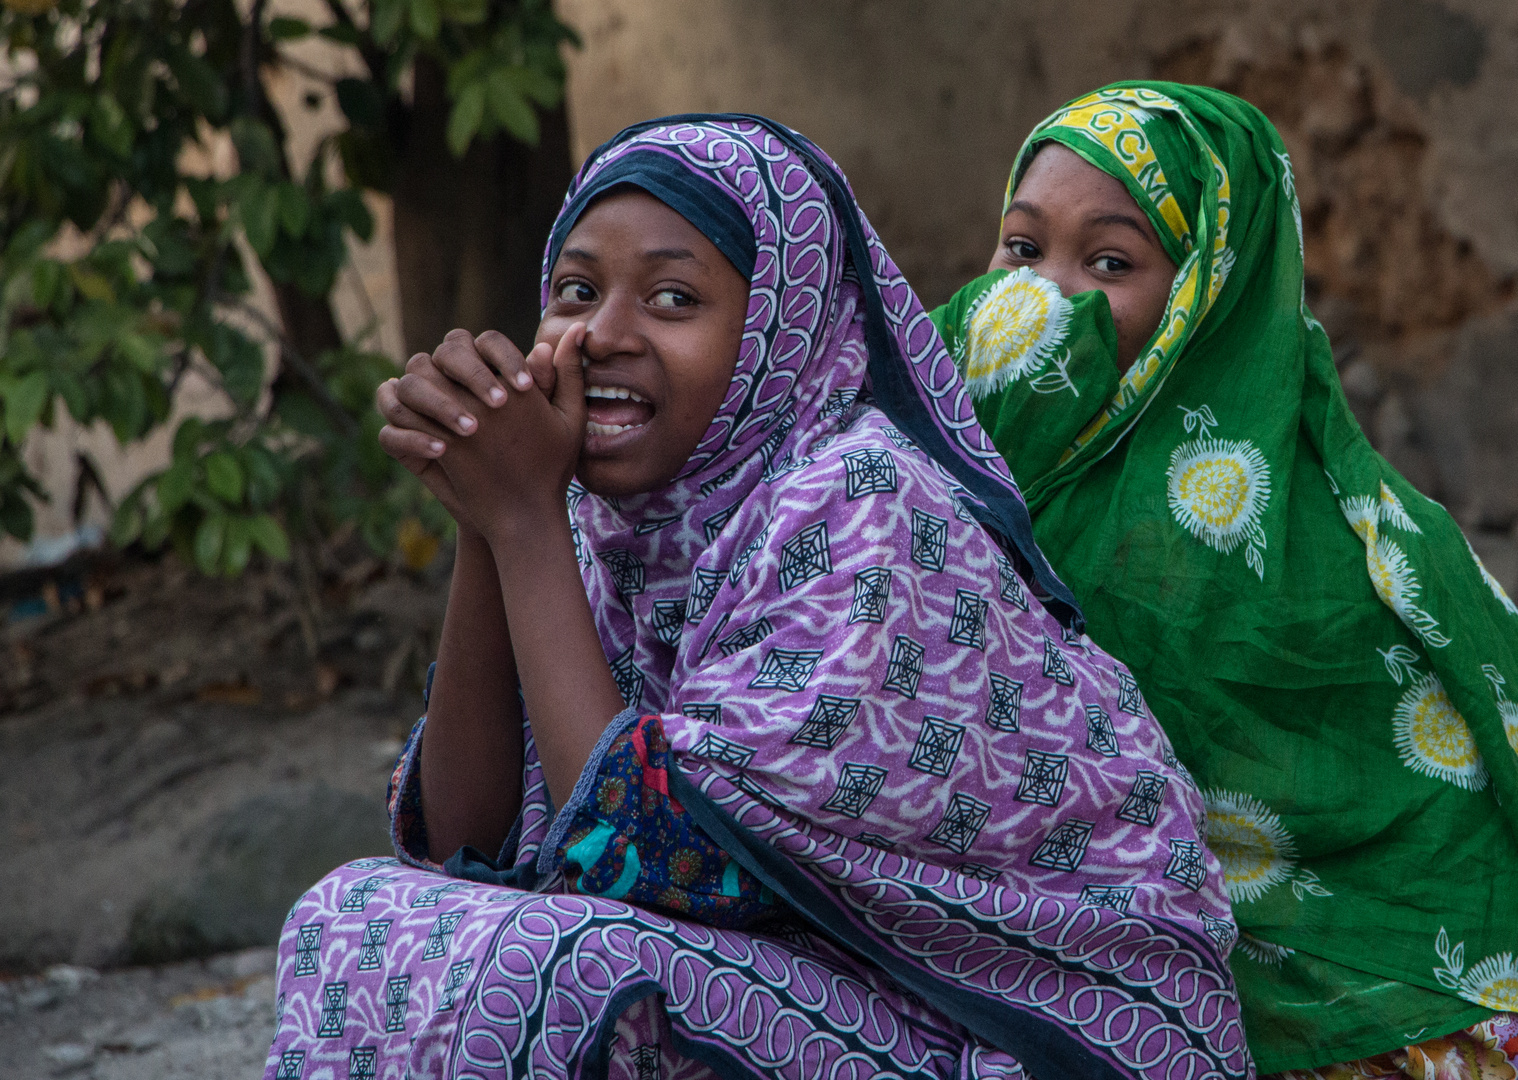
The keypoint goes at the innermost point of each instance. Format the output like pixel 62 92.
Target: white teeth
pixel 613 392
pixel 593 428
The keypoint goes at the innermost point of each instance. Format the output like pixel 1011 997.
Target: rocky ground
pixel 192 1020
pixel 183 757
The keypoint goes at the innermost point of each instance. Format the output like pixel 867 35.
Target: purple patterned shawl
pixel 870 709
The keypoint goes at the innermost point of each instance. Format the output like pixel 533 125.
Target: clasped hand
pixel 500 468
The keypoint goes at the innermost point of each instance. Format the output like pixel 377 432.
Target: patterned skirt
pixel 387 972
pixel 1487 1051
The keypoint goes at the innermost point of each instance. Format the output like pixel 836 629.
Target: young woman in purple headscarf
pixel 782 753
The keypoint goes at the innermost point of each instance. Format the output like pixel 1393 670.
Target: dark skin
pixel 1079 228
pixel 636 351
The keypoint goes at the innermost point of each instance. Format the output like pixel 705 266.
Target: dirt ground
pixel 183 757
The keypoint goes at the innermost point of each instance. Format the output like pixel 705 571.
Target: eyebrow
pixel 656 255
pixel 1101 219
pixel 1120 219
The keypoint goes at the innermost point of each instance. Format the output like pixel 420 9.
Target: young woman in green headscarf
pixel 1330 659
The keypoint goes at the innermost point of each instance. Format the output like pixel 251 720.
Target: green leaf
pixel 92 284
pixel 350 209
pixel 284 28
pixel 510 108
pixel 264 480
pixel 468 113
pixel 269 537
pixel 257 152
pixel 110 127
pixel 241 363
pixel 208 542
pixel 468 69
pixel 361 102
pixel 75 397
pixel 224 477
pixel 187 438
pixel 237 546
pixel 341 33
pixel 259 209
pixel 426 20
pixel 16 515
pixel 174 486
pixel 138 351
pixel 367 159
pixel 385 22
pixel 126 525
pixel 294 209
pixel 24 402
pixel 198 82
pixel 465 12
pixel 47 275
pixel 540 86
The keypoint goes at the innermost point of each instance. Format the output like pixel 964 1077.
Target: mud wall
pixel 1401 117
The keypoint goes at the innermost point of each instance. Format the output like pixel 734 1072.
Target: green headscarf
pixel 1326 652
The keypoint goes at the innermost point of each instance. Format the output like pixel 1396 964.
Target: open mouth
pixel 611 410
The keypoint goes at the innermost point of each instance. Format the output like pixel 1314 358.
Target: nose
pixel 612 327
pixel 1066 273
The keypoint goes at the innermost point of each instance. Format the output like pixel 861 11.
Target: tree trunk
pixel 469 234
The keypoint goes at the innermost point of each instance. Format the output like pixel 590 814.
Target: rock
pixel 263 853
pixel 66 1057
pixel 68 979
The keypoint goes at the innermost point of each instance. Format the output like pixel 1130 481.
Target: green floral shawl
pixel 1329 657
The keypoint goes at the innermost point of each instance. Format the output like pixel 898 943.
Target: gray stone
pixel 67 1057
pixel 263 853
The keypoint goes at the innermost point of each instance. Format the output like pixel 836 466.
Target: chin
pixel 614 480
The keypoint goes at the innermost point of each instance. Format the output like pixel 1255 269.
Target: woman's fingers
pixel 423 396
pixel 569 370
pixel 540 363
pixel 506 358
pixel 460 360
pixel 404 441
pixel 413 449
pixel 388 404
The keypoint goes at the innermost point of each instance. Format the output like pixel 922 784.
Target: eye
pixel 1110 264
pixel 672 298
pixel 575 292
pixel 1020 248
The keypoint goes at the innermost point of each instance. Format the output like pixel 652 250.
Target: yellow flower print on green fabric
pixel 1219 489
pixel 1015 330
pixel 1249 840
pixel 1430 736
pixel 1492 982
pixel 1391 574
pixel 1508 710
pixel 1492 583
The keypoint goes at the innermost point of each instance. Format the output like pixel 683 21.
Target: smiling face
pixel 664 312
pixel 1079 228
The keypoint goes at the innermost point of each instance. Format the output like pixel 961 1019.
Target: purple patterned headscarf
pixel 847 632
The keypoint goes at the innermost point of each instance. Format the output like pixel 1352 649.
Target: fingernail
pixel 497 395
pixel 466 423
pixel 523 380
pixel 435 446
